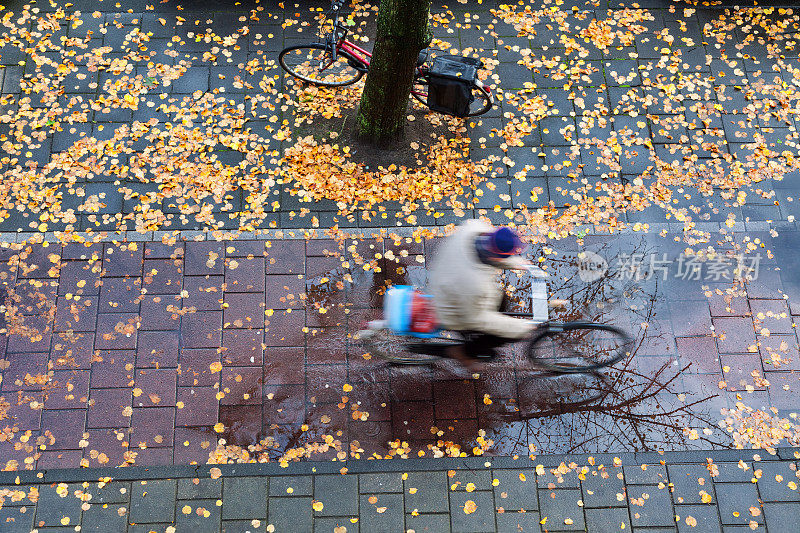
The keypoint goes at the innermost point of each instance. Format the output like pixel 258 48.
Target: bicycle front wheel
pixel 314 63
pixel 481 102
pixel 577 346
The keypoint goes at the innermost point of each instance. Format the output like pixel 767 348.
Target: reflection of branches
pixel 634 409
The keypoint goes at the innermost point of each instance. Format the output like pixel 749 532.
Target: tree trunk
pixel 402 32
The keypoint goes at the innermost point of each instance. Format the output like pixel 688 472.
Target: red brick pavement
pixel 136 353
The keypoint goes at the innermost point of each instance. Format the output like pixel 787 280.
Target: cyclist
pixel 467 295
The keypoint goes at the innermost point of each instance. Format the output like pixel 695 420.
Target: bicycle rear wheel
pixel 577 346
pixel 481 102
pixel 401 350
pixel 314 63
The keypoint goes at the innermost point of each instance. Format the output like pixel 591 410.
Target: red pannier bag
pixel 423 319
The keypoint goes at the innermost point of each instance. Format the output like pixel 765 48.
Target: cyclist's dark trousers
pixel 480 344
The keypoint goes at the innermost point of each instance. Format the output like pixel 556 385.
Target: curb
pixel 365 466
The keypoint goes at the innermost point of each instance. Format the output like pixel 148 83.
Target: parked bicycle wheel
pixel 481 102
pixel 577 346
pixel 314 63
pixel 400 350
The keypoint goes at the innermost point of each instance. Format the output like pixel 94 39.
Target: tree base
pixel 376 134
pixel 406 149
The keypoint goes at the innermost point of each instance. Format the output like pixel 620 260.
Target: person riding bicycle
pixel 467 295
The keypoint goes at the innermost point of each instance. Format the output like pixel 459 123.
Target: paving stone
pixel 743 529
pixel 108 408
pixel 739 334
pixel 430 523
pixel 199 523
pixel 655 508
pixel 738 498
pixel 782 516
pixel 204 488
pixel 243 526
pixel 299 485
pixel 705 515
pixel 102 518
pixel 562 504
pixel 482 520
pixel 330 523
pixel 509 522
pixel 652 474
pixel 52 508
pixel 562 481
pixel 112 492
pixel 685 479
pixel 431 494
pixel 482 479
pixel 612 519
pixel 339 495
pixel 244 497
pixel 390 516
pixel 153 501
pixel 772 490
pixel 149 528
pixel 730 473
pixel 380 483
pixel 290 514
pixel 514 494
pixel 13 520
pixel 603 491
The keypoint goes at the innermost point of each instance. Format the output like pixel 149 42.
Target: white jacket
pixel 466 292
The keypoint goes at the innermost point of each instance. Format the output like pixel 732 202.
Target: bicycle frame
pixel 363 57
pixel 336 47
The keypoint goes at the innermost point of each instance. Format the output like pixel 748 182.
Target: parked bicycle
pixel 447 84
pixel 557 347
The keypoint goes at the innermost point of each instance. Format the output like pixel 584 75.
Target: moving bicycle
pixel 464 318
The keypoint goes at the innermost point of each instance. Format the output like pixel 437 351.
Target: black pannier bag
pixel 450 82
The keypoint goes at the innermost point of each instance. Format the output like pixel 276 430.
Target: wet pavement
pixel 195 346
pixel 148 354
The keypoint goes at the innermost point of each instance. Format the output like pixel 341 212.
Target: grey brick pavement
pixel 596 494
pixel 620 77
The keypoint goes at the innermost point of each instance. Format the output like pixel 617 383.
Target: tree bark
pixel 402 32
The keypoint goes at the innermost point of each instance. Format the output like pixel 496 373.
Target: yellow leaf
pixel 470 507
pixel 317 506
